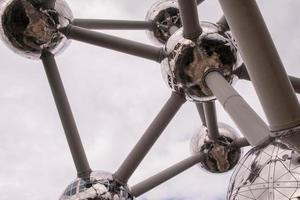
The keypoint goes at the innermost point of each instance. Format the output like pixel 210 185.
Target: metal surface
pixel 99 186
pixel 240 142
pixel 165 175
pixel 267 172
pixel 28 27
pixel 201 113
pixel 188 61
pixel 211 120
pixel 114 43
pixel 220 155
pixel 148 139
pixel 165 16
pixel 113 24
pixel 190 21
pixel 263 63
pixel 66 116
pixel 250 124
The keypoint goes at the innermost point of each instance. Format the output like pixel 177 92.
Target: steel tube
pixel 240 143
pixel 190 19
pixel 199 1
pixel 242 73
pixel 113 24
pixel 165 175
pixel 263 63
pixel 223 23
pixel 114 43
pixel 211 120
pixel 66 116
pixel 148 139
pixel 250 124
pixel 201 113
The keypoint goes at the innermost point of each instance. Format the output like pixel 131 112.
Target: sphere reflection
pixel 29 26
pixel 166 20
pixel 269 171
pixel 100 186
pixel 220 156
pixel 189 61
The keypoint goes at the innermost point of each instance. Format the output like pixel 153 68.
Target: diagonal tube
pixel 201 113
pixel 263 63
pixel 250 124
pixel 190 19
pixel 223 23
pixel 211 120
pixel 113 24
pixel 114 43
pixel 199 2
pixel 242 73
pixel 66 116
pixel 148 139
pixel 152 182
pixel 240 143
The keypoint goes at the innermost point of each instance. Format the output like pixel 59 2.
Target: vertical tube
pixel 211 120
pixel 201 113
pixel 66 116
pixel 263 63
pixel 190 19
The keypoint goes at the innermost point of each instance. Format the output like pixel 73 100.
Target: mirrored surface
pixel 220 156
pixel 100 186
pixel 268 172
pixel 30 26
pixel 166 20
pixel 189 61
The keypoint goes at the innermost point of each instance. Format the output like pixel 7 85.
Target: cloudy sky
pixel 114 98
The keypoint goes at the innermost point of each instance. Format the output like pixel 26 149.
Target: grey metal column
pixel 295 83
pixel 114 43
pixel 201 113
pixel 199 1
pixel 223 23
pixel 165 175
pixel 240 142
pixel 151 135
pixel 66 116
pixel 250 124
pixel 242 73
pixel 211 120
pixel 190 19
pixel 113 24
pixel 265 68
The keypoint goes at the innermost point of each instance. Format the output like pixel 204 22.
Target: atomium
pixel 220 155
pixel 188 61
pixel 165 17
pixel 28 26
pixel 268 171
pixel 99 186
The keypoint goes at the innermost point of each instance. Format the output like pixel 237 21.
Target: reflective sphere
pixel 189 61
pixel 100 186
pixel 220 156
pixel 270 171
pixel 29 26
pixel 166 20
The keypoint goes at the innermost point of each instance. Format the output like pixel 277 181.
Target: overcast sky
pixel 114 98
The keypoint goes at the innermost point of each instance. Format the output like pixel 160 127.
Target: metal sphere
pixel 269 171
pixel 30 26
pixel 220 156
pixel 166 20
pixel 100 186
pixel 188 61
